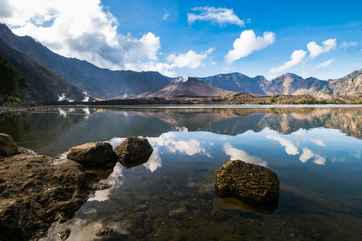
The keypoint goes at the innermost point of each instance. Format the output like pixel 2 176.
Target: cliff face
pixel 350 85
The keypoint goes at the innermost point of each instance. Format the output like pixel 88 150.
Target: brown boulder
pixel 134 151
pixel 93 155
pixel 37 190
pixel 7 145
pixel 250 183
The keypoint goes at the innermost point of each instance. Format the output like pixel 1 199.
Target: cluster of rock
pixel 256 185
pixel 37 190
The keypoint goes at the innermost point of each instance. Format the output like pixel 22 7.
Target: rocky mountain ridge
pixel 187 87
pixel 108 84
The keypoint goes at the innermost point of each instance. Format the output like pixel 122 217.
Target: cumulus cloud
pixel 170 141
pixel 289 147
pixel 190 59
pixel 86 30
pixel 325 64
pixel 306 155
pixel 82 29
pixel 220 16
pixel 296 58
pixel 238 154
pixel 248 43
pixel 315 49
pixel 154 162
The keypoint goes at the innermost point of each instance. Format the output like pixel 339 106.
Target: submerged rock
pixel 7 145
pixel 93 155
pixel 134 151
pixel 250 183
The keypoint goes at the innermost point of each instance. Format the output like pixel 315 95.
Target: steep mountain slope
pixel 26 80
pixel 237 82
pixel 292 84
pixel 191 87
pixel 350 85
pixel 97 81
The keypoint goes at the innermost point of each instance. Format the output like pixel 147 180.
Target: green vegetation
pixel 12 83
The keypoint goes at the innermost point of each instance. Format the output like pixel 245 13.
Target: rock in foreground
pixel 37 190
pixel 250 183
pixel 7 145
pixel 134 151
pixel 93 155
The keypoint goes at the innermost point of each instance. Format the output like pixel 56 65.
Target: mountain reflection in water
pixel 317 154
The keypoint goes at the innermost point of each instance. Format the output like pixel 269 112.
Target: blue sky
pixel 310 38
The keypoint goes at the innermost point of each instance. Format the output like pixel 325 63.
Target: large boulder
pixel 134 151
pixel 93 155
pixel 250 183
pixel 38 190
pixel 7 145
pixel 35 192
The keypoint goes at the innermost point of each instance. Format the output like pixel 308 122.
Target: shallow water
pixel 316 152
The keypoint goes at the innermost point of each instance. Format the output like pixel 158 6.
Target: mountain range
pixel 98 82
pixel 187 87
pixel 40 75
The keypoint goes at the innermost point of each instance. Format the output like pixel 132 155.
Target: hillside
pixel 191 87
pixel 24 80
pixel 97 81
pixel 237 82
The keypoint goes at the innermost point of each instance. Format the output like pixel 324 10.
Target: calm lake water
pixel 317 154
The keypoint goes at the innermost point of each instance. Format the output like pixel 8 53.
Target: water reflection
pixel 57 130
pixel 316 153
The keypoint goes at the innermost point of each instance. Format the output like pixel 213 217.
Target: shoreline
pixel 4 109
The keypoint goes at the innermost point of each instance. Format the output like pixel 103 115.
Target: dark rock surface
pixel 250 183
pixel 38 190
pixel 93 155
pixel 134 151
pixel 7 145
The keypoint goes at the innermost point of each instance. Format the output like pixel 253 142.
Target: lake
pixel 316 152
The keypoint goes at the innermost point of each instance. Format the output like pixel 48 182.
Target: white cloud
pixel 296 58
pixel 289 146
pixel 154 162
pixel 306 155
pixel 190 59
pixel 170 141
pixel 248 43
pixel 82 29
pixel 220 16
pixel 238 154
pixel 325 64
pixel 319 160
pixel 315 49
